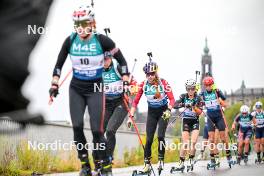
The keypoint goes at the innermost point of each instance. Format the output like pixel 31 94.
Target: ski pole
pixel 107 30
pixel 132 71
pixel 150 56
pixel 196 73
pixel 133 121
pixel 68 74
pixel 136 128
pixel 176 117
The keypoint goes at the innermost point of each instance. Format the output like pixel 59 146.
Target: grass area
pixel 24 161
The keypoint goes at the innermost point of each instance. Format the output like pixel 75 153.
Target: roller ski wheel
pixel 36 174
pixel 175 169
pixel 190 168
pixel 141 173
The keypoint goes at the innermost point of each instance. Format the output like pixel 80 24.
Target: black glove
pixel 178 105
pixel 54 90
pixel 188 105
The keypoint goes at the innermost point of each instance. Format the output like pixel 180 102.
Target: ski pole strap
pixel 64 79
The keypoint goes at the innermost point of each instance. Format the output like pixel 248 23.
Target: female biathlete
pixel 258 115
pixel 214 100
pixel 245 121
pixel 86 50
pixel 190 123
pixel 157 91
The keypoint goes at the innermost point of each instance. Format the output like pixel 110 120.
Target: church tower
pixel 206 63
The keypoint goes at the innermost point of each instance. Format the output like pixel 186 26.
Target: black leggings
pixel 115 113
pixel 95 102
pixel 154 119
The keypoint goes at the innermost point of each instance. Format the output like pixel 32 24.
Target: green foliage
pixel 231 112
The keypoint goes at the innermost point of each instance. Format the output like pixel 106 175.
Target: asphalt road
pixel 251 169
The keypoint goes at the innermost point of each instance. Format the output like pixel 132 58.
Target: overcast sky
pixel 173 30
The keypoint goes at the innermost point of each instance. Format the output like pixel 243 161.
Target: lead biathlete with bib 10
pixel 86 49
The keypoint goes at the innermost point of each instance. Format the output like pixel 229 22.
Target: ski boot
pixel 106 169
pixel 238 159
pixel 85 171
pixel 230 161
pixel 212 164
pixel 86 168
pixel 97 168
pixel 190 165
pixel 146 170
pixel 245 159
pixel 180 168
pixel 161 166
pixel 217 160
pixel 258 160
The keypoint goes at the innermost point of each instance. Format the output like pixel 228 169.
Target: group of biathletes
pixel 96 60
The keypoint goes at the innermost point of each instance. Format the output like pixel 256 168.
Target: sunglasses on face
pixel 151 74
pixel 190 89
pixel 83 24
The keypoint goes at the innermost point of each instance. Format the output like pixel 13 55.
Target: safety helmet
pixel 258 105
pixel 244 109
pixel 83 13
pixel 150 67
pixel 208 81
pixel 190 83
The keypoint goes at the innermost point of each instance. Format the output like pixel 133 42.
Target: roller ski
pixel 161 166
pixel 212 165
pixel 179 168
pixel 146 170
pixel 190 165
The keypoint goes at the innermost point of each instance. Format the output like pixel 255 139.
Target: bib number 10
pixel 84 61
